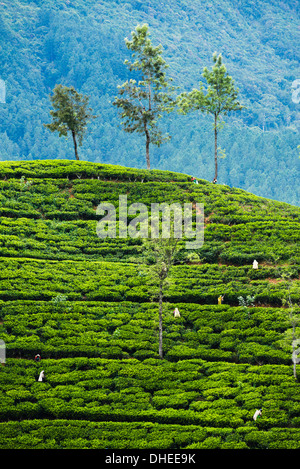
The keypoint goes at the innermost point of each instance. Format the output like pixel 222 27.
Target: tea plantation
pixel 85 305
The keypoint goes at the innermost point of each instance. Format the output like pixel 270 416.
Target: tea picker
pixel 257 414
pixel 176 313
pixel 42 376
pixel 2 352
pixel 220 299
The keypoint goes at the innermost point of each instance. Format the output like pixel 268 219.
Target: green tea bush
pixel 105 386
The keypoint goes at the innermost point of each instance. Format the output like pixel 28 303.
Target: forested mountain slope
pixel 85 305
pixel 81 43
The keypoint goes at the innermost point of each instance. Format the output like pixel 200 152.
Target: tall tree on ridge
pixel 219 99
pixel 71 114
pixel 142 103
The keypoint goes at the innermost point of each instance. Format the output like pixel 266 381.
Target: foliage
pixel 113 404
pixel 49 42
pixel 55 217
pixel 86 306
pixel 70 114
pixel 291 337
pixel 162 254
pixel 143 103
pixel 220 98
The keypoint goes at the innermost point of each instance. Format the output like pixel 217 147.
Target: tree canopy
pixel 70 114
pixel 143 102
pixel 219 99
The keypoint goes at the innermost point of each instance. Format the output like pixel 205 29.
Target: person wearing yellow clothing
pixel 220 299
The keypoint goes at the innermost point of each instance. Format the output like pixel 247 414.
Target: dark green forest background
pixel 80 43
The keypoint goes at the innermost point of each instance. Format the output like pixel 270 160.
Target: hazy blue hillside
pixel 81 43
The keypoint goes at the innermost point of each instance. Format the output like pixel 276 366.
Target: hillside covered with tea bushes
pixel 85 305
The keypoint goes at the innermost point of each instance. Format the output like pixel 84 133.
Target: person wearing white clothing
pixel 257 413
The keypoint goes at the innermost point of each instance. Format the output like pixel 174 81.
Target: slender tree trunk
pixel 75 145
pixel 147 145
pixel 160 320
pixel 147 131
pixel 294 337
pixel 216 147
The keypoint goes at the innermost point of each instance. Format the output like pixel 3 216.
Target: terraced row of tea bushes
pixel 62 240
pixel 124 330
pixel 73 170
pixel 40 200
pixel 71 200
pixel 225 274
pixel 271 252
pixel 81 434
pixel 239 217
pixel 190 392
pixel 49 196
pixel 232 334
pixel 77 240
pixel 236 206
pixel 113 330
pixel 265 242
pixel 62 200
pixel 66 200
pixel 46 279
pixel 131 282
pixel 203 284
pixel 185 192
pixel 46 197
pixel 83 169
pixel 146 193
pixel 281 229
